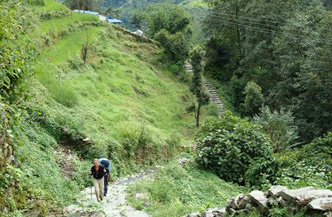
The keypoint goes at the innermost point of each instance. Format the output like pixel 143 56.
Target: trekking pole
pixel 91 192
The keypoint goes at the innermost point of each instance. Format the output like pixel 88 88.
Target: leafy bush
pixel 253 98
pixel 279 126
pixel 231 146
pixel 15 59
pixel 310 165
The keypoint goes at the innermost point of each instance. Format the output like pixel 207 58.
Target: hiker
pixel 98 172
pixel 106 164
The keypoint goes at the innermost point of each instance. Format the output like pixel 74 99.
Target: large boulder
pixel 303 196
pixel 238 202
pixel 275 190
pixel 259 198
pixel 323 204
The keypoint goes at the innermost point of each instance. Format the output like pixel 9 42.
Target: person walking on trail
pixel 98 172
pixel 106 164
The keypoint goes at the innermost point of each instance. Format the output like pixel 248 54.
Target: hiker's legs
pixel 97 190
pixel 105 184
pixel 101 188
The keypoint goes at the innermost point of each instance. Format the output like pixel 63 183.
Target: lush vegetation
pixel 169 25
pixel 178 190
pixel 283 48
pixel 73 88
pixel 308 166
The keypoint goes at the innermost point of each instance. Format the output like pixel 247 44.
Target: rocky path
pixel 115 204
pixel 210 89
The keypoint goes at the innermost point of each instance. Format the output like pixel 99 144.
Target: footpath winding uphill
pixel 115 204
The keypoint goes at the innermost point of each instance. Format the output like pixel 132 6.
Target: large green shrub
pixel 253 98
pixel 230 146
pixel 279 126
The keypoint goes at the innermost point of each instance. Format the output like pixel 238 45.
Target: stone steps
pixel 214 96
pixel 212 92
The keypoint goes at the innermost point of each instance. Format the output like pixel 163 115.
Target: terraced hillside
pixel 119 104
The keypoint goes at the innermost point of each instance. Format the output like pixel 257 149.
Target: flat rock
pixel 324 204
pixel 303 196
pixel 275 190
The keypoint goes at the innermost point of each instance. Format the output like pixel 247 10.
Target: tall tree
pixel 169 25
pixel 306 71
pixel 196 57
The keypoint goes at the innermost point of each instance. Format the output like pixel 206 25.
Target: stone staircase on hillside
pixel 211 90
pixel 214 96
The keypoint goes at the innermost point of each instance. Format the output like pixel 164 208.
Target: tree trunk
pixel 198 112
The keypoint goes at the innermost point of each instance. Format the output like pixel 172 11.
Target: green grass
pixel 123 91
pixel 49 5
pixel 178 190
pixel 64 49
pixel 63 23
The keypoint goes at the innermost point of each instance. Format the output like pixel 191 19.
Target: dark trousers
pixel 105 184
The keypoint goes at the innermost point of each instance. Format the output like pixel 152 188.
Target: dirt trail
pixel 115 204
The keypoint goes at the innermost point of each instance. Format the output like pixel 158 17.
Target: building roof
pixel 87 12
pixel 113 20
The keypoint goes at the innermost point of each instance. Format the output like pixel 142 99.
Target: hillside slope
pixel 120 104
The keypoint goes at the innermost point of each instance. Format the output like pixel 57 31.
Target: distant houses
pixel 101 17
pixel 113 20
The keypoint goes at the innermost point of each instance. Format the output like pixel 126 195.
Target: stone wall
pixel 315 201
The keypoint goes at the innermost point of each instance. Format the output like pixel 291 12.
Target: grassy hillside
pixel 121 104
